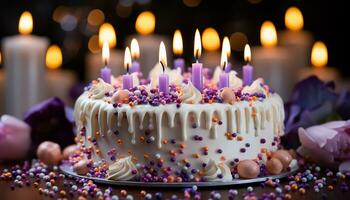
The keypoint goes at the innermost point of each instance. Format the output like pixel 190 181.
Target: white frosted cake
pixel 186 135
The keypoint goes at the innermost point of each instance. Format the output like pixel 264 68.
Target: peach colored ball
pixel 248 169
pixel 69 151
pixel 81 167
pixel 274 166
pixel 121 96
pixel 283 156
pixel 49 153
pixel 228 96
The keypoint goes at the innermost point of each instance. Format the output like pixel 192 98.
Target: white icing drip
pixel 99 89
pixel 191 94
pixel 255 87
pixel 122 170
pixel 213 170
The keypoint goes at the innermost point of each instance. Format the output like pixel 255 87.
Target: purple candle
pixel 180 63
pixel 247 69
pixel 127 78
pixel 135 67
pixel 135 54
pixel 223 78
pixel 163 79
pixel 197 73
pixel 105 72
pixel 226 47
pixel 228 67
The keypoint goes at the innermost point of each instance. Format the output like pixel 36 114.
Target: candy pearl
pixel 49 153
pixel 81 167
pixel 121 96
pixel 274 166
pixel 283 156
pixel 248 169
pixel 227 95
pixel 69 151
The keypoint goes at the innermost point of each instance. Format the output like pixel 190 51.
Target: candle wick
pixel 223 68
pixel 127 68
pixel 106 63
pixel 197 55
pixel 161 62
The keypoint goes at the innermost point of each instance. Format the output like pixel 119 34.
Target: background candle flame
pixel 268 34
pixel 294 19
pixel 177 43
pixel 226 46
pixel 197 45
pixel 210 39
pixel 25 25
pixel 53 57
pixel 319 54
pixel 127 59
pixel 162 55
pixel 145 23
pixel 107 33
pixel 247 53
pixel 105 53
pixel 135 49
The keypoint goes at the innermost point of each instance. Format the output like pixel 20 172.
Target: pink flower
pixel 14 138
pixel 326 143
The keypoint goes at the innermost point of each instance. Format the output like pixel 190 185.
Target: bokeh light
pixel 93 44
pixel 96 17
pixel 59 13
pixel 210 39
pixel 192 3
pixel 268 34
pixel 238 40
pixel 53 57
pixel 145 23
pixel 319 54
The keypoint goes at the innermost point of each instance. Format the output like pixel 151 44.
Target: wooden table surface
pixel 31 192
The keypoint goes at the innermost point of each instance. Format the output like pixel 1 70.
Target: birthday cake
pixel 186 134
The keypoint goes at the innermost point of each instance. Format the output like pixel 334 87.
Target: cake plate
pixel 68 170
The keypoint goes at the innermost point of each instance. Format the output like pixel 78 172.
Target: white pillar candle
pixel 298 40
pixel 273 63
pixel 24 61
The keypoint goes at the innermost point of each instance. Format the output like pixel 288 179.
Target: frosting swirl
pixel 191 94
pixel 217 172
pixel 235 82
pixel 255 87
pixel 122 170
pixel 99 88
pixel 175 76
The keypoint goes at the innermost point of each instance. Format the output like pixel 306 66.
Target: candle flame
pixel 127 59
pixel 197 45
pixel 162 55
pixel 105 53
pixel 145 23
pixel 247 53
pixel 210 39
pixel 107 33
pixel 53 57
pixel 135 49
pixel 177 43
pixel 294 19
pixel 226 46
pixel 268 34
pixel 25 25
pixel 319 54
pixel 223 61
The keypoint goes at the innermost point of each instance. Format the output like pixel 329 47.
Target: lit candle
pixel 227 47
pixel 274 63
pixel 24 62
pixel 224 78
pixel 211 46
pixel 295 38
pixel 163 80
pixel 179 62
pixel 319 68
pixel 127 78
pixel 105 71
pixel 197 73
pixel 59 81
pixel 135 54
pixel 247 69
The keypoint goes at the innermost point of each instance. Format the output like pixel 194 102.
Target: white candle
pixel 59 82
pixel 297 40
pixel 24 61
pixel 273 63
pixel 148 41
pixel 93 60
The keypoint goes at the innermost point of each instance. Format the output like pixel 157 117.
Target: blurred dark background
pixel 326 19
